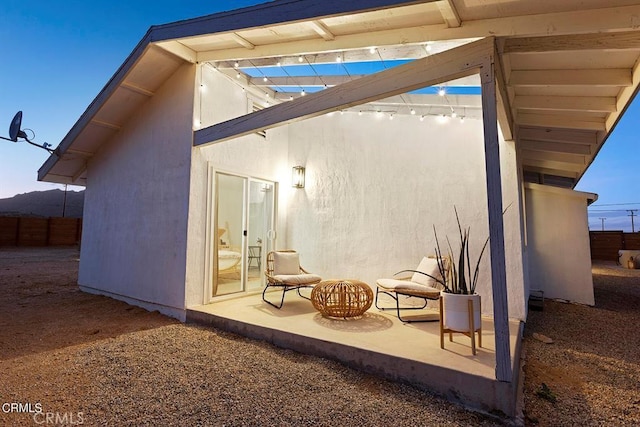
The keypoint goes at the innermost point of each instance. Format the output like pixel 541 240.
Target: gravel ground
pixel 592 369
pixel 91 360
pixel 97 361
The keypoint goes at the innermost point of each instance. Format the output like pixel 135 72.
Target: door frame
pixel 211 230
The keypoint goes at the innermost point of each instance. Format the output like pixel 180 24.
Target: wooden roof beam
pixel 242 41
pixel 581 21
pixel 597 41
pixel 558 135
pixel 136 89
pixel 600 104
pixel 577 159
pixel 557 147
pixel 322 30
pixel 594 77
pixel 456 63
pixel 358 55
pixel 449 13
pixel 561 121
pixel 304 81
pixel 570 169
pixel 105 124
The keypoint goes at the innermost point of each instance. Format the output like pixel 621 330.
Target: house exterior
pixel 187 152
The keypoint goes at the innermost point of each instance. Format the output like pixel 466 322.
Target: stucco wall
pixel 375 189
pixel 558 243
pixel 252 155
pixel 136 203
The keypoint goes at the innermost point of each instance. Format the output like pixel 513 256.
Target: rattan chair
pixel 416 286
pixel 284 271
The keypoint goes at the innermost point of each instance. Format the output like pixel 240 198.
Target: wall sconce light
pixel 297 177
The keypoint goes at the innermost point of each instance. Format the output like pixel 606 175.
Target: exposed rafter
pixel 597 41
pixel 601 77
pixel 600 104
pixel 322 30
pixel 457 63
pixel 242 41
pixel 561 121
pixel 449 13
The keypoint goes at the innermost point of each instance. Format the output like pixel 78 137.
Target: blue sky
pixel 57 56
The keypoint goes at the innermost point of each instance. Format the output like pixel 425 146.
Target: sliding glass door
pixel 244 232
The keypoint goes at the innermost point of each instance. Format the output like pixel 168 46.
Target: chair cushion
pixel 297 279
pixel 407 287
pixel 286 263
pixel 429 266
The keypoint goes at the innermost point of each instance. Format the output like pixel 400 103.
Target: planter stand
pixel 469 332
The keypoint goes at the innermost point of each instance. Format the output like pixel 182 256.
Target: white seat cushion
pixel 297 279
pixel 404 285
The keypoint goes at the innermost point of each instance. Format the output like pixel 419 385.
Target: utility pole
pixel 631 214
pixel 602 219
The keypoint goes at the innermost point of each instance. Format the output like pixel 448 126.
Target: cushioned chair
pixel 417 285
pixel 284 271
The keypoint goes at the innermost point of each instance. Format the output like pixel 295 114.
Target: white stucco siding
pixel 136 203
pixel 252 155
pixel 375 188
pixel 558 238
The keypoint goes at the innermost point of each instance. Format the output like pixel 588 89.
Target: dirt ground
pixel 50 332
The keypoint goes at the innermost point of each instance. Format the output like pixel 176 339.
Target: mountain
pixel 43 204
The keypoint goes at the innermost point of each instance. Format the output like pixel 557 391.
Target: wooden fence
pixel 606 244
pixel 21 231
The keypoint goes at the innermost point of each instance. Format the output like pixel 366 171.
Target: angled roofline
pixel 248 17
pixel 258 16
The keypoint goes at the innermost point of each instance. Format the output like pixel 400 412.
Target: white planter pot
pixel 455 312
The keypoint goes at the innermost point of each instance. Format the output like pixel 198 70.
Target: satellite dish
pixel 14 128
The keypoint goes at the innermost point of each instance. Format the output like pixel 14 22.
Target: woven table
pixel 342 299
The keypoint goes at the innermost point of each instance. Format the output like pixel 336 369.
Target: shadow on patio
pixel 378 343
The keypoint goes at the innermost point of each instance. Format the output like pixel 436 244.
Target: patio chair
pixel 417 286
pixel 284 271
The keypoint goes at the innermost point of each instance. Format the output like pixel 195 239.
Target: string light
pixel 237 75
pixel 422 118
pixel 303 93
pixel 413 112
pixel 372 50
pixel 428 47
pixel 265 79
pixel 236 64
pixel 441 92
pixel 300 58
pixel 338 58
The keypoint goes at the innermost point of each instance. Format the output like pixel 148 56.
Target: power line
pixel 616 204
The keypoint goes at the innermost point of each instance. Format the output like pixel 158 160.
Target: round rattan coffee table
pixel 342 299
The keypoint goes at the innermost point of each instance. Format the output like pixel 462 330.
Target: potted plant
pixel 458 277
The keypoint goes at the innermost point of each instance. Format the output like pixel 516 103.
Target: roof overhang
pixel 569 70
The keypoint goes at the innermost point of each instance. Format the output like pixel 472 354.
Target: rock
pixel 542 338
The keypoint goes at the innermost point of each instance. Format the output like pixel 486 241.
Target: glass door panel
pixel 261 215
pixel 228 256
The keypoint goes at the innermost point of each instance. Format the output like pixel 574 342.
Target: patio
pixel 380 344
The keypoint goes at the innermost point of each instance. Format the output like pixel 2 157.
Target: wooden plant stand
pixel 470 333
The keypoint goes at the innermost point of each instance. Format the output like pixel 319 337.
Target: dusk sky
pixel 57 56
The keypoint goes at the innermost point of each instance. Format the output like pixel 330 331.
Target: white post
pixel 496 224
